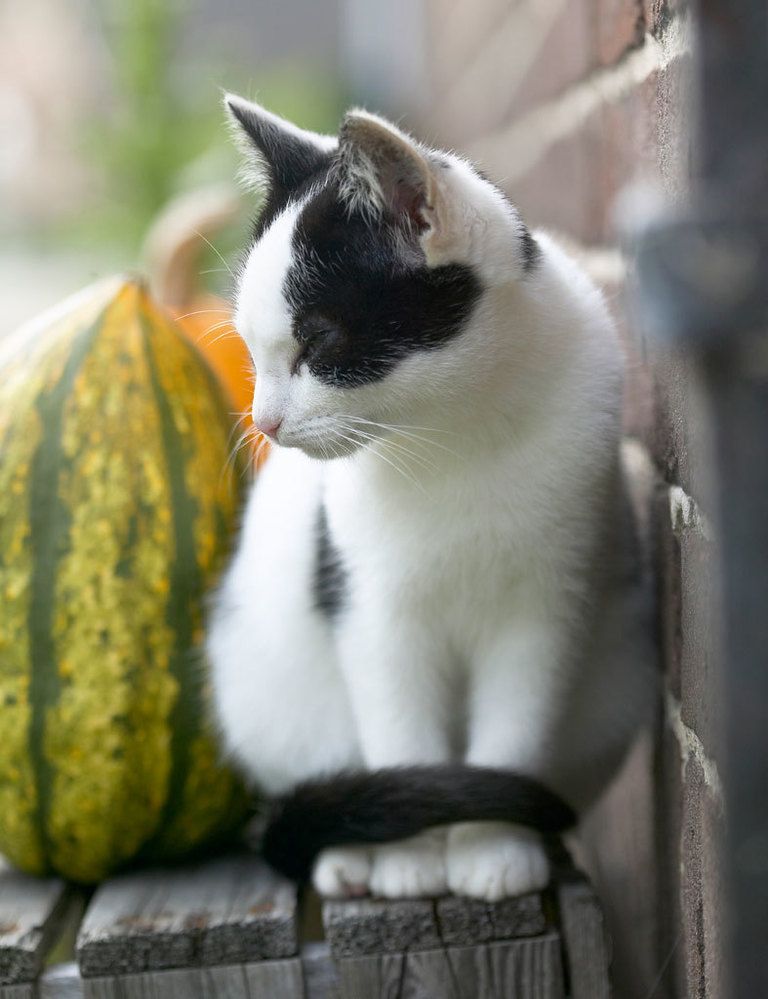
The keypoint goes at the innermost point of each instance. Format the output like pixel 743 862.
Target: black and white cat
pixel 438 567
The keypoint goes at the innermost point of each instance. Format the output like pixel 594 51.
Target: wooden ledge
pixel 228 929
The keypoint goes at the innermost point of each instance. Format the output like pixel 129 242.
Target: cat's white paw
pixel 411 867
pixel 493 860
pixel 343 871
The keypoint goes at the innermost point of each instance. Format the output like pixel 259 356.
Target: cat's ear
pixel 279 155
pixel 384 170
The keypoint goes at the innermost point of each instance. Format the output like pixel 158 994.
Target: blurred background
pixel 109 109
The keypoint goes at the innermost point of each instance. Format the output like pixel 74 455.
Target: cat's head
pixel 361 297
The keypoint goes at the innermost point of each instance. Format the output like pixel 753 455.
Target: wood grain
pixel 265 980
pixel 30 914
pixel 530 968
pixel 586 947
pixel 23 991
pixel 60 981
pixel 374 926
pixel 321 979
pixel 232 910
pixel 470 921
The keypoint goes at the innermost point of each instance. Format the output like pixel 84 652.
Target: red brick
pixel 701 676
pixel 559 192
pixel 574 185
pixel 457 33
pixel 620 827
pixel 514 69
pixel 658 13
pixel 701 904
pixel 619 26
pixel 629 150
pixel 639 410
pixel 680 438
pixel 668 786
pixel 567 54
pixel 670 596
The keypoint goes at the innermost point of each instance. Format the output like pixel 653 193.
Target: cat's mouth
pixel 326 445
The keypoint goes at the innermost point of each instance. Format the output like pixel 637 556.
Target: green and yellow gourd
pixel 117 505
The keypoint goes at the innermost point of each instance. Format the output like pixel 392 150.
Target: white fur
pixel 496 608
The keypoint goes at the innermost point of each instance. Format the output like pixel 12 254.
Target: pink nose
pixel 267 427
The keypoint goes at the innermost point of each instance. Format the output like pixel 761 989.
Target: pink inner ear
pixel 409 200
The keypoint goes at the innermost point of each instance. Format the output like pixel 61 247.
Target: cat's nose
pixel 268 427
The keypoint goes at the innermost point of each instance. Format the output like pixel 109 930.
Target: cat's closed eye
pixel 315 335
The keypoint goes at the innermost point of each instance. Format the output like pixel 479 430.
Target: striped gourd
pixel 117 504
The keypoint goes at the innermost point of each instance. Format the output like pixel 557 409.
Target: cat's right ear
pixel 280 157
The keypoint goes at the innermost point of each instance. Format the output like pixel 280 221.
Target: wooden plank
pixel 23 991
pixel 61 981
pixel 231 910
pixel 375 926
pixel 31 910
pixel 265 980
pixel 275 979
pixel 586 946
pixel 530 968
pixel 321 979
pixel 469 921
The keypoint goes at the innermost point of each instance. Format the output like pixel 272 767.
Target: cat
pixel 432 640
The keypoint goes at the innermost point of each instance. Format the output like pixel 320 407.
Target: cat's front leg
pixel 399 690
pixel 518 680
pixel 399 681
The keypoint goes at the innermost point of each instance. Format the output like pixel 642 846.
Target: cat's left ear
pixel 386 171
pixel 280 156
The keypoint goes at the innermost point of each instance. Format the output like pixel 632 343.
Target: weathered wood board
pixel 227 929
pixel 232 910
pixel 61 981
pixel 373 926
pixel 586 945
pixel 265 980
pixel 30 913
pixel 529 968
pixel 316 978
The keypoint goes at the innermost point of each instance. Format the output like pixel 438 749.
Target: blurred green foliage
pixel 162 130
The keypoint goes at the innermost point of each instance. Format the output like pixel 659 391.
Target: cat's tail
pixel 384 805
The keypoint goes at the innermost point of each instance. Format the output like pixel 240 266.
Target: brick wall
pixel 567 103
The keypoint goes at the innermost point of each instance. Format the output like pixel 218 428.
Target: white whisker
pixel 407 433
pixel 203 312
pixel 378 454
pixel 421 460
pixel 218 254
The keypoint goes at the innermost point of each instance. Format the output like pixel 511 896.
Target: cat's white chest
pixel 453 548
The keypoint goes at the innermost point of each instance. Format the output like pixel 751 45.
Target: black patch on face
pixel 330 580
pixel 280 191
pixel 360 303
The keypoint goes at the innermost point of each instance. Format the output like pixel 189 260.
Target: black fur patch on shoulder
pixel 366 300
pixel 330 579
